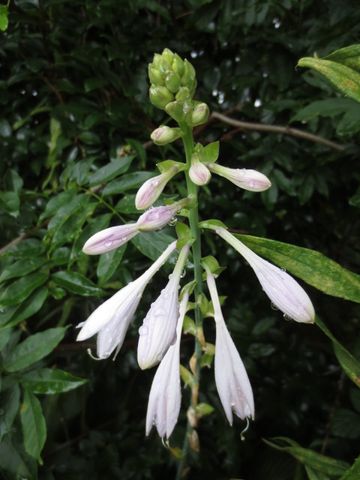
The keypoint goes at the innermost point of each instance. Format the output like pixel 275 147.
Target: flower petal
pixel 109 239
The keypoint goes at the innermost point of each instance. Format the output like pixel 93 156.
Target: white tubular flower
pixel 158 330
pixel 198 172
pixel 165 393
pixel 247 179
pixel 112 318
pixel 150 191
pixel 284 292
pixel 231 379
pixel 109 239
pixel 164 135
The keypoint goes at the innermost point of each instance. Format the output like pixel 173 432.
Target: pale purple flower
pixel 284 292
pixel 111 319
pixel 158 330
pixel 198 172
pixel 157 217
pixel 231 379
pixel 164 135
pixel 150 190
pixel 247 179
pixel 110 238
pixel 165 393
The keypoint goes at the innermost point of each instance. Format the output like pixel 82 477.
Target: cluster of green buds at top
pixel 172 88
pixel 173 84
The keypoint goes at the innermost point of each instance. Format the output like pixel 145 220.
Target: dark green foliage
pixel 74 125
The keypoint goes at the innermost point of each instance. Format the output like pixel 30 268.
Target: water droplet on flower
pixel 173 222
pixel 143 330
pixel 108 244
pixel 286 317
pixel 274 307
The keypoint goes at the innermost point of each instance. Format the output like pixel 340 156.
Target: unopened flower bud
pixel 157 217
pixel 155 76
pixel 188 78
pixel 168 55
pixel 175 110
pixel 199 173
pixel 150 191
pixel 178 65
pixel 109 239
pixel 247 179
pixel 183 94
pixel 160 96
pixel 164 135
pixel 200 114
pixel 172 82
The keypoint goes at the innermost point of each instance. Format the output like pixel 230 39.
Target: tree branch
pixel 261 127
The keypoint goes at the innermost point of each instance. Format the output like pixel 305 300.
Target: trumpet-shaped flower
pixel 198 172
pixel 165 393
pixel 247 179
pixel 231 379
pixel 150 190
pixel 113 237
pixel 158 330
pixel 112 318
pixel 284 292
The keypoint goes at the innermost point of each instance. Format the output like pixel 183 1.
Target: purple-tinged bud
pixel 157 217
pixel 198 172
pixel 247 179
pixel 200 114
pixel 150 191
pixel 164 135
pixel 109 239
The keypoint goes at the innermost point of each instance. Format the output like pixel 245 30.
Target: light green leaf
pixel 349 363
pixel 51 381
pixel 316 461
pixel 109 263
pixel 354 472
pixel 110 171
pixel 152 244
pixel 130 181
pixel 311 266
pixel 4 17
pixel 33 425
pixel 21 289
pixel 342 77
pixel 33 349
pixel 314 475
pixel 76 283
pixel 349 56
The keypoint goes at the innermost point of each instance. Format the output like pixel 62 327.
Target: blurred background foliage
pixel 74 125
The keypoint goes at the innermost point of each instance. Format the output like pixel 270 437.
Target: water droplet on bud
pixel 108 244
pixel 274 307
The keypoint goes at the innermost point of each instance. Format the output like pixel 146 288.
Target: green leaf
pixel 21 268
pixel 110 171
pixel 354 471
pixel 20 290
pixel 4 337
pixel 346 424
pixel 342 77
pixel 314 475
pixel 130 181
pixel 316 461
pixel 33 425
pixel 210 153
pixel 311 266
pixel 11 461
pixel 4 17
pixel 76 283
pixel 109 263
pixel 9 406
pixel 203 409
pixel 51 381
pixel 349 56
pixel 349 363
pixel 33 349
pixel 152 244
pixel 28 308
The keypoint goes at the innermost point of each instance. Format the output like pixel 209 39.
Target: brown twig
pixel 285 130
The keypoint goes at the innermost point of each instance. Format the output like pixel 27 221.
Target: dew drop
pixel 286 317
pixel 108 244
pixel 274 307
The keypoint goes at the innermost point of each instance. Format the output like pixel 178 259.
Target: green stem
pixel 196 252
